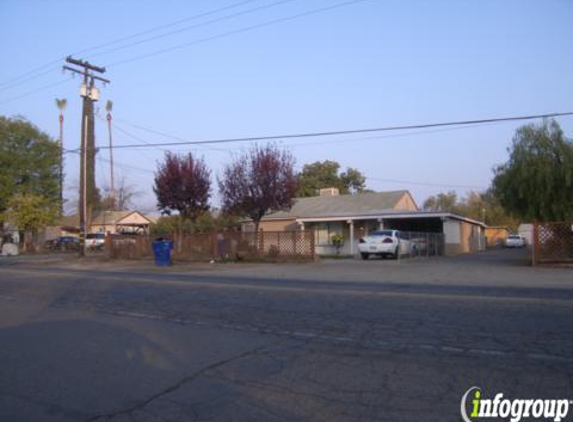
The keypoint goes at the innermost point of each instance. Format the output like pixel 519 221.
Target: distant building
pixel 496 235
pixel 115 222
pixel 120 222
pixel 526 230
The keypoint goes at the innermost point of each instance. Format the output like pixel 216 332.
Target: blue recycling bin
pixel 162 251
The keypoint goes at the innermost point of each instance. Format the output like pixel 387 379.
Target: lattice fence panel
pixel 554 243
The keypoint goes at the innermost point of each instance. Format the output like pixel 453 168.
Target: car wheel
pixel 396 253
pixel 364 255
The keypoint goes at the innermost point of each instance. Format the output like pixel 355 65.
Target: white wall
pixel 526 230
pixel 452 232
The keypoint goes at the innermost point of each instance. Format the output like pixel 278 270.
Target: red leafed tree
pixel 183 183
pixel 261 181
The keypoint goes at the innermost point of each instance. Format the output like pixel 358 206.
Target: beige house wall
pixel 471 238
pixel 134 218
pixel 111 226
pixel 275 225
pixel 102 228
pixel 406 203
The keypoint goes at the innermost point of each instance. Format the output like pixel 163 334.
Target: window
pixel 381 233
pixel 323 232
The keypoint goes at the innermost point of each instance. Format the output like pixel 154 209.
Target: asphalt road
pixel 334 341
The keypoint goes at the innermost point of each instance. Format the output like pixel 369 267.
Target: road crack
pixel 139 406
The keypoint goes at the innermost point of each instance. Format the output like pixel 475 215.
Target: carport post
pixel 351 223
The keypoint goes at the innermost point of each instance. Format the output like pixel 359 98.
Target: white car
pixel 384 243
pixel 95 240
pixel 515 241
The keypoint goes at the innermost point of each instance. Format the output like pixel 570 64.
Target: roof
pixel 109 217
pixel 113 217
pixel 341 205
pixel 69 221
pixel 397 214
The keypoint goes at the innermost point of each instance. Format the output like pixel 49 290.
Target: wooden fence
pixel 234 246
pixel 553 243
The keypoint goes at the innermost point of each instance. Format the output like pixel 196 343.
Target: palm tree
pixel 61 104
pixel 108 108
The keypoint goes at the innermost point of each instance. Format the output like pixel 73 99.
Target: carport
pixel 461 234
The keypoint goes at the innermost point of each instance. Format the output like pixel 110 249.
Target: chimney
pixel 328 192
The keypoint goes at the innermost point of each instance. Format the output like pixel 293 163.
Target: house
pixel 496 235
pixel 354 216
pixel 120 222
pixel 116 222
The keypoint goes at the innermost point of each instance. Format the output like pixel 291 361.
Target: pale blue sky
pixel 368 64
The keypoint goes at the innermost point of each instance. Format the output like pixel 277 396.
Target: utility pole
pixel 109 107
pixel 89 94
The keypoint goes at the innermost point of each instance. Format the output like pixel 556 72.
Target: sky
pixel 230 68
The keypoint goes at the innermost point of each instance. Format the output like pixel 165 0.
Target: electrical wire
pixel 199 41
pixel 411 182
pixel 346 132
pixel 234 32
pixel 119 40
pixel 42 88
pixel 25 80
pixel 166 135
pixel 123 165
pixel 393 136
pixel 187 28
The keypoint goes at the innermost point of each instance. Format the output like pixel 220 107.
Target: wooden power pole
pixel 89 94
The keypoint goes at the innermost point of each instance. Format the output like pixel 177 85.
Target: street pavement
pixel 332 341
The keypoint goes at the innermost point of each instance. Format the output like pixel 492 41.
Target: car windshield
pixel 381 233
pixel 514 237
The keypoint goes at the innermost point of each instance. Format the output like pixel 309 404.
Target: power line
pixel 25 80
pixel 117 127
pixel 158 52
pixel 42 88
pixel 125 166
pixel 234 32
pixel 410 182
pixel 35 70
pixel 157 132
pixel 393 136
pixel 187 28
pixel 347 132
pixel 118 40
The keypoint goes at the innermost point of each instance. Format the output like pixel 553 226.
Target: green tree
pixel 30 213
pixel 204 223
pixel 481 206
pixel 536 183
pixel 325 174
pixel 444 202
pixel 29 162
pixel 485 206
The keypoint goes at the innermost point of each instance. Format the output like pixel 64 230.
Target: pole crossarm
pixel 86 74
pixel 85 64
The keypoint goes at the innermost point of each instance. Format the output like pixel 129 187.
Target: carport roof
pixel 393 214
